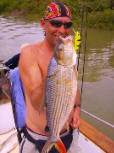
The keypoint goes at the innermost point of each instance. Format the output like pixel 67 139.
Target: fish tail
pixel 58 145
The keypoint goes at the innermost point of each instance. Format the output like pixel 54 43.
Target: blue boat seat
pixel 17 99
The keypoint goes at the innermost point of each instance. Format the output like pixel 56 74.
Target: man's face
pixel 55 28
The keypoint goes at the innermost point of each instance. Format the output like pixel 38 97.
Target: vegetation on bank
pixel 100 12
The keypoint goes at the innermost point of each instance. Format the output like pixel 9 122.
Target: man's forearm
pixel 77 99
pixel 77 105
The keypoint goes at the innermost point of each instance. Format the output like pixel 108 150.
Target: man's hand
pixel 75 122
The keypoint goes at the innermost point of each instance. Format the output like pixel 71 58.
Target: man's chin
pixel 56 39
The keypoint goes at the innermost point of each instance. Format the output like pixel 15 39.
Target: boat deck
pixel 90 140
pixel 12 146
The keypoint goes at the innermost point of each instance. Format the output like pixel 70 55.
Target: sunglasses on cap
pixel 58 24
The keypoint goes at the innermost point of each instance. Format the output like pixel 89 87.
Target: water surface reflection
pixel 14 33
pixel 98 91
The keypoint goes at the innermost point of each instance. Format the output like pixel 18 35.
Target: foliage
pixel 100 11
pixel 102 20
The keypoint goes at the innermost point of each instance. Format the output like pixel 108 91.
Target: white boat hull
pixel 84 145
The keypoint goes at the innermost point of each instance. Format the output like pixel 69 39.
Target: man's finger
pixel 76 122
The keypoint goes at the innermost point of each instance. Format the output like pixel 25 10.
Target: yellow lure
pixel 77 41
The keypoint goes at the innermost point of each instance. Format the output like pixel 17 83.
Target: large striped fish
pixel 61 88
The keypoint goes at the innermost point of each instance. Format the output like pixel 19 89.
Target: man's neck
pixel 49 47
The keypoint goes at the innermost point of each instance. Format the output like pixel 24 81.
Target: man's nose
pixel 62 29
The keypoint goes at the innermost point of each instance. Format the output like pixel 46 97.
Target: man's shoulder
pixel 30 49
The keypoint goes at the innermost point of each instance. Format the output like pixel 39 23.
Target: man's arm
pixel 75 123
pixel 30 75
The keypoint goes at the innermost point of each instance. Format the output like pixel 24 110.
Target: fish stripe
pixel 61 87
pixel 56 109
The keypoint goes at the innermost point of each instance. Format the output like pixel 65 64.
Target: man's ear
pixel 42 22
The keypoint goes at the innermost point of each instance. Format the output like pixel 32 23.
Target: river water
pixel 98 88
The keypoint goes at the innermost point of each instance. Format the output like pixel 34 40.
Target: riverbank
pixel 100 14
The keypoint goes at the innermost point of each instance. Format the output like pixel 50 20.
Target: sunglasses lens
pixel 56 23
pixel 68 24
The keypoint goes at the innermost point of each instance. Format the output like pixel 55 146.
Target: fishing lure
pixel 77 41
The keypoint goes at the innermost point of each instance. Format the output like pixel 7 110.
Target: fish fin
pixel 58 145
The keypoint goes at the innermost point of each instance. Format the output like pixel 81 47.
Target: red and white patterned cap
pixel 57 9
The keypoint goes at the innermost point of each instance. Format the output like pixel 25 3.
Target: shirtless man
pixel 33 65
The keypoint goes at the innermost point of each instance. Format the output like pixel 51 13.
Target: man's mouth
pixel 58 35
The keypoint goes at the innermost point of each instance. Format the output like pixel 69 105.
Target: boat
pixel 8 132
pixel 90 140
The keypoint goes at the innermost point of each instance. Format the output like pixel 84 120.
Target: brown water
pixel 98 89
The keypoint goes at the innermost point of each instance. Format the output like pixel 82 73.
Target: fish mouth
pixel 59 35
pixel 56 37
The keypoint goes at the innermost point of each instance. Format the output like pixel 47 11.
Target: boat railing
pixel 97 118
